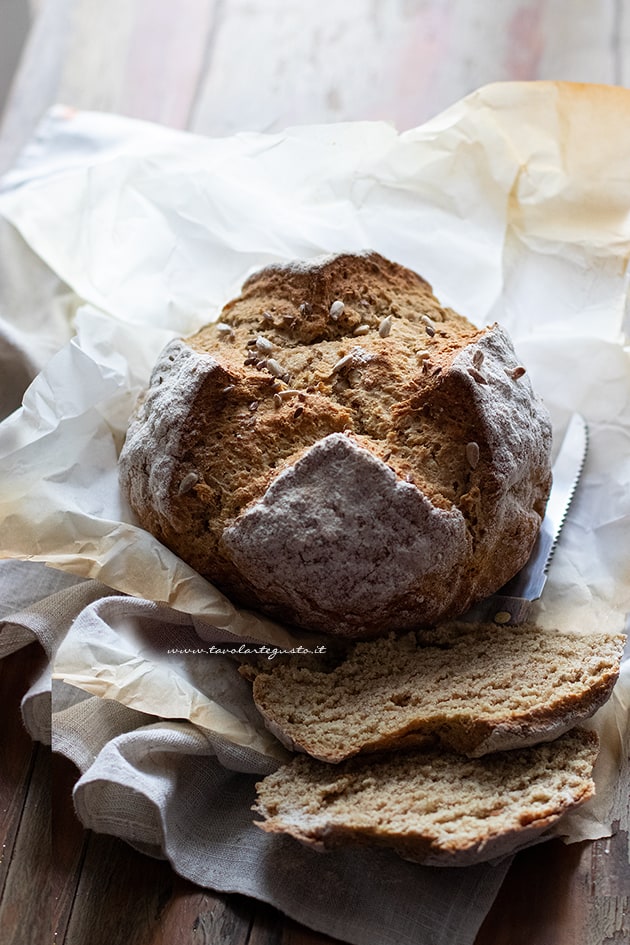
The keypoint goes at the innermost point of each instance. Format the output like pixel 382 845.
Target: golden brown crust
pixel 342 391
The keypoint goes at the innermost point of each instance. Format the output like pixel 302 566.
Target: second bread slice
pixel 474 688
pixel 431 807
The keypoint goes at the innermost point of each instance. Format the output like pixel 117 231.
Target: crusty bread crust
pixel 341 451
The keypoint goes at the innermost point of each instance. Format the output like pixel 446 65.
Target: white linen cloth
pixel 174 790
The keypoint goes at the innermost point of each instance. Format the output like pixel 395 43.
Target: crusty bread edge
pixel 477 739
pixel 324 838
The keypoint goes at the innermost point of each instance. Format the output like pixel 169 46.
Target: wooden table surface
pixel 216 67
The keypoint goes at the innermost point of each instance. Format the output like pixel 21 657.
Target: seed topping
pixel 275 368
pixel 336 309
pixel 188 482
pixel 385 326
pixel 342 363
pixel 472 454
pixel 477 358
pixel 476 376
pixel 263 344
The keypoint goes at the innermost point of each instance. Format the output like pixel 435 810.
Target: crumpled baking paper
pixel 514 204
pixel 151 659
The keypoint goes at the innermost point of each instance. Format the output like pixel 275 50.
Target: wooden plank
pixel 14 20
pixel 166 58
pixel 621 40
pixel 194 915
pixel 577 45
pixel 118 895
pixel 25 907
pixel 102 888
pixel 271 927
pixel 17 752
pixel 219 68
pixel 69 841
pixel 102 879
pixel 141 58
pixel 91 76
pixel 25 856
pixel 37 78
pixel 535 905
pixel 284 62
pixel 127 897
pixel 555 894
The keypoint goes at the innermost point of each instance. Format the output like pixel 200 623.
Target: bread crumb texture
pixel 473 688
pixel 431 807
pixel 341 451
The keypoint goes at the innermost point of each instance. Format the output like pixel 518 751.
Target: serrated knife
pixel 512 603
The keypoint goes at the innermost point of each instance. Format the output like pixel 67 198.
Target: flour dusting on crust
pixel 341 451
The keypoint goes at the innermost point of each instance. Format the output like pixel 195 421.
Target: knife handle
pixel 499 609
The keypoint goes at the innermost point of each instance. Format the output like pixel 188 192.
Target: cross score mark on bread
pixel 341 451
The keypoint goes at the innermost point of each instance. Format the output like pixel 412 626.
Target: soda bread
pixel 341 451
pixel 474 688
pixel 432 807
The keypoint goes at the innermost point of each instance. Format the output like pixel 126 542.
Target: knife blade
pixel 512 603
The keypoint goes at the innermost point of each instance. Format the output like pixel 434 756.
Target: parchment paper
pixel 514 204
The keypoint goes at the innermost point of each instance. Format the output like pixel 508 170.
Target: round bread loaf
pixel 342 452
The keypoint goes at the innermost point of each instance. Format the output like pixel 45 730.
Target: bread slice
pixel 436 808
pixel 474 688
